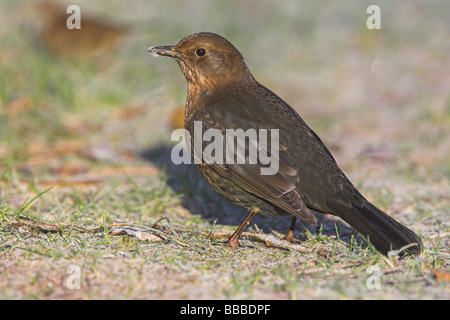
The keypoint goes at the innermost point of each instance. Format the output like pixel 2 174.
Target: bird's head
pixel 207 60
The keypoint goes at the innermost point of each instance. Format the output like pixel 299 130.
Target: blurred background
pixel 74 99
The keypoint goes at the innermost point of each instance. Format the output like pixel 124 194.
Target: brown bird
pixel 96 37
pixel 223 94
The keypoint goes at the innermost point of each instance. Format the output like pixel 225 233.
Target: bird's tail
pixel 383 232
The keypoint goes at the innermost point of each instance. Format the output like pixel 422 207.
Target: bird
pixel 95 37
pixel 224 95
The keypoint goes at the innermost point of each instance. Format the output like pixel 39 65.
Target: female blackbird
pixel 96 37
pixel 223 95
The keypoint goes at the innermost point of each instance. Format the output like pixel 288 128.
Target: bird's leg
pixel 233 240
pixel 290 234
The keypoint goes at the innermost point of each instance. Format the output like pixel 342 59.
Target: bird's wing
pixel 277 188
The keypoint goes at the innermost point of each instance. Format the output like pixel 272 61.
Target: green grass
pixel 74 155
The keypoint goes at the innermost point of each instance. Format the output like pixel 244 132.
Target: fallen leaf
pixel 441 275
pixel 176 118
pixel 19 105
pixel 135 232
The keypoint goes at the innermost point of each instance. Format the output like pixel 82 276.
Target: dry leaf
pixel 441 275
pixel 176 118
pixel 19 105
pixel 135 232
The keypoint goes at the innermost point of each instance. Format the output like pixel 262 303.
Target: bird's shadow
pixel 200 198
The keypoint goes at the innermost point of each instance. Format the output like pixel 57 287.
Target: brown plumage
pixel 224 95
pixel 95 37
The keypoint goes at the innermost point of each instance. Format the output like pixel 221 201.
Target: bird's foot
pixel 290 234
pixel 289 237
pixel 233 242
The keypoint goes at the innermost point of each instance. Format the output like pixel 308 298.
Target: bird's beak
pixel 168 51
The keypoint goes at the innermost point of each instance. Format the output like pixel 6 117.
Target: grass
pixel 85 171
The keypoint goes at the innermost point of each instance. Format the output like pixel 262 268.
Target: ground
pixel 86 173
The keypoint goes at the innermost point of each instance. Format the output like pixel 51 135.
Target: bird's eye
pixel 200 52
